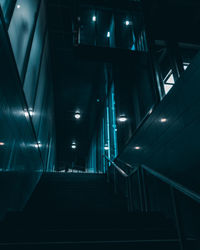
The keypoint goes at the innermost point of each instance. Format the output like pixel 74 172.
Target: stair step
pixel 98 220
pixel 91 245
pixel 77 211
pixel 103 234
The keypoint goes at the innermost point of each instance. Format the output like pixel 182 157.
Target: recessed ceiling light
pixel 73 146
pixel 94 18
pixel 106 147
pixel 108 34
pixel 26 113
pixel 2 143
pixel 31 112
pixel 127 22
pixel 137 147
pixel 18 6
pixel 77 115
pixel 38 144
pixel 163 120
pixel 122 118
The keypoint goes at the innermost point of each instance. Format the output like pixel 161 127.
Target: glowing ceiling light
pixel 106 147
pixel 38 144
pixel 77 115
pixel 31 112
pixel 108 34
pixel 137 148
pixel 122 118
pixel 26 113
pixel 127 22
pixel 73 146
pixel 2 143
pixel 163 120
pixel 94 18
pixel 18 6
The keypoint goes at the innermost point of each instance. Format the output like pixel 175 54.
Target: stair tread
pixel 69 210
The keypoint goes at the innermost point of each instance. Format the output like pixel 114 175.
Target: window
pixel 169 79
pixel 168 82
pixel 185 65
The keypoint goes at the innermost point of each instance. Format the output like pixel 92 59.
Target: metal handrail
pixel 121 171
pixel 174 184
pixel 143 201
pixel 125 163
pixel 193 195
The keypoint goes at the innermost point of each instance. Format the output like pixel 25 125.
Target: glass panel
pixel 20 29
pixel 167 87
pixel 7 8
pixel 169 78
pixel 185 65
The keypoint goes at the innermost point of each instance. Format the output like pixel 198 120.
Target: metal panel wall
pixel 27 135
pixel 21 162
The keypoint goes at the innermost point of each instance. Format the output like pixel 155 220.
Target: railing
pixel 148 191
pixel 127 176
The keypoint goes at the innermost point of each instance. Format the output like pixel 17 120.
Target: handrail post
pixel 140 190
pixel 177 219
pixel 144 189
pixel 130 197
pixel 128 181
pixel 107 176
pixel 107 172
pixel 115 181
pixel 107 169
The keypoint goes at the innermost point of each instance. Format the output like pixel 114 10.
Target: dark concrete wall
pixel 172 147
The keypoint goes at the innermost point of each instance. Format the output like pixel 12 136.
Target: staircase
pixel 80 211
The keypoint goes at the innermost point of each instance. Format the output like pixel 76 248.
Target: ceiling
pixel 173 19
